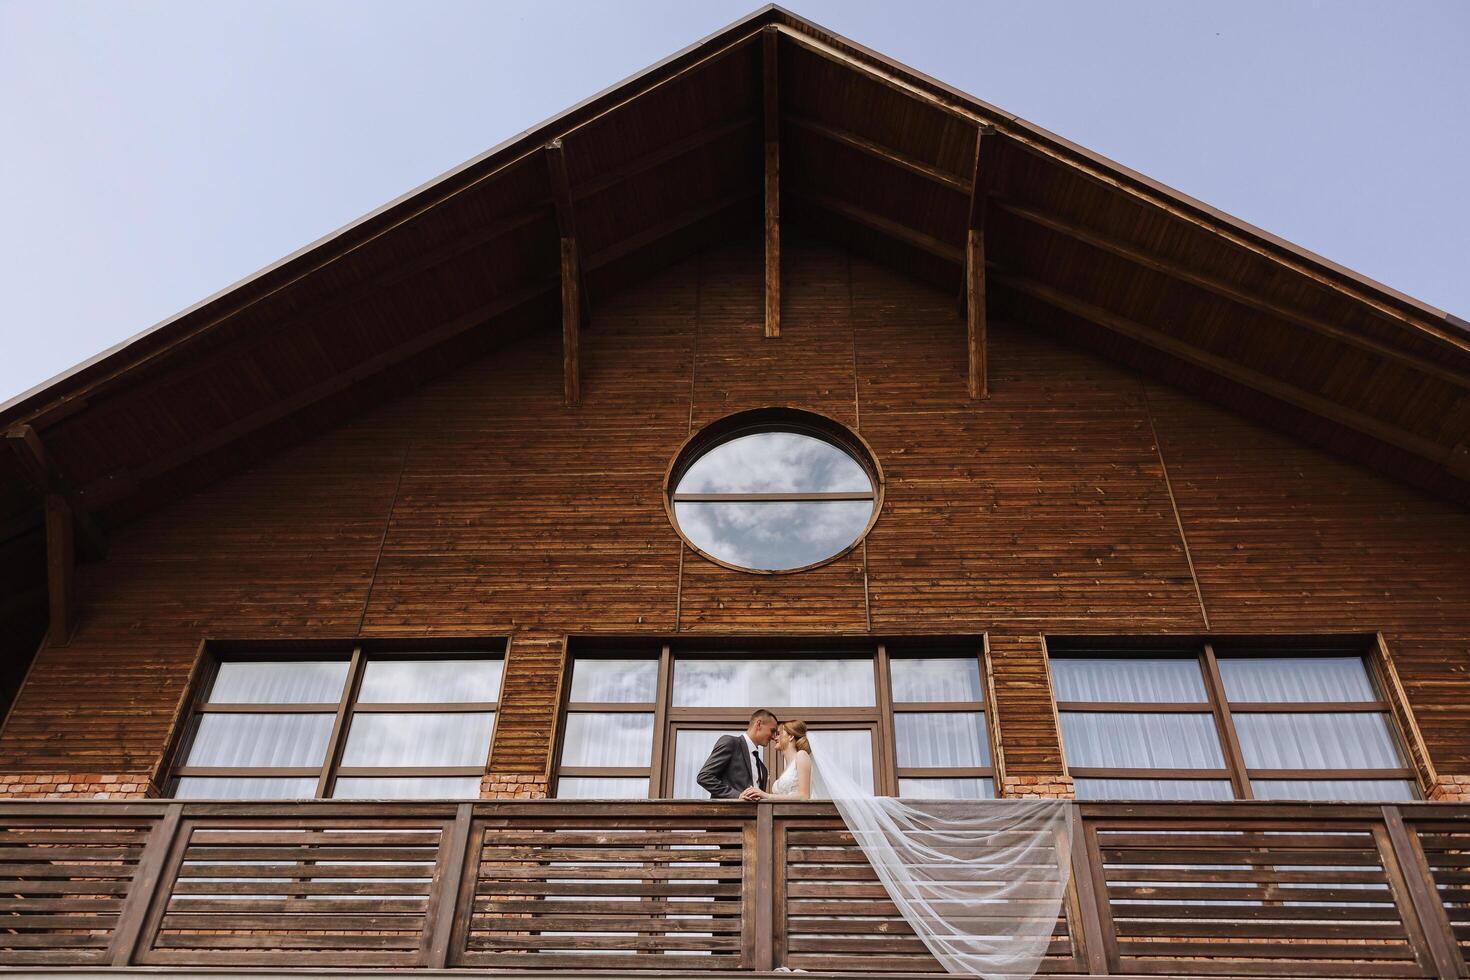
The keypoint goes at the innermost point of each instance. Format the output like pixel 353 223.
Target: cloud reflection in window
pixel 775 462
pixel 773 536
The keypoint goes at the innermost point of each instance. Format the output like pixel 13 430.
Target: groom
pixel 735 763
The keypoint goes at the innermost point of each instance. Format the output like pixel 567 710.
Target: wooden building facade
pixel 1101 422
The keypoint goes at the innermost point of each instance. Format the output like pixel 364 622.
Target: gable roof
pixel 873 153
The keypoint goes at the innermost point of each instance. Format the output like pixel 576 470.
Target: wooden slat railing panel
pixel 1196 895
pixel 1243 890
pixel 64 882
pixel 838 917
pixel 1444 852
pixel 659 891
pixel 310 890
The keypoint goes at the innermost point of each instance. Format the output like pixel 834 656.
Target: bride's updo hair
pixel 797 730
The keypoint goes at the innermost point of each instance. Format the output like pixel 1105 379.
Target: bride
pixel 979 881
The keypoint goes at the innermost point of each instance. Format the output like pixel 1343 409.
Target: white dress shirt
pixel 751 749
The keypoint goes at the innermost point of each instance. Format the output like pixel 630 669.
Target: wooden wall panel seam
pixel 1173 504
pixel 408 438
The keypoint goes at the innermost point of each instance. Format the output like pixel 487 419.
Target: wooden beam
pixel 878 151
pixel 1221 288
pixel 772 120
pixel 113 487
pixel 976 341
pixel 60 570
pixel 613 176
pixel 894 229
pixel 663 229
pixel 1216 364
pixel 1110 175
pixel 41 470
pixel 573 296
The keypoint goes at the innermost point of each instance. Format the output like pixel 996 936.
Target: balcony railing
pixel 1239 889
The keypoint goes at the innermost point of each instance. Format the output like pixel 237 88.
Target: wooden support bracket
pixel 772 120
pixel 975 323
pixel 573 296
pixel 65 522
pixel 1217 364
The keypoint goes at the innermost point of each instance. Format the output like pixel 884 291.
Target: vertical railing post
pixel 758 915
pixel 1424 901
pixel 145 883
pixel 444 904
pixel 1085 882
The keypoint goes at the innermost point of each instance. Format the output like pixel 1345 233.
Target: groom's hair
pixel 760 713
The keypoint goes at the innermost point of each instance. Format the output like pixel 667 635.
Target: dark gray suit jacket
pixel 729 769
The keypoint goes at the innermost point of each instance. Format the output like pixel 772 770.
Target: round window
pixel 774 490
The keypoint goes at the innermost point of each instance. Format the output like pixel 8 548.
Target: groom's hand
pixel 751 795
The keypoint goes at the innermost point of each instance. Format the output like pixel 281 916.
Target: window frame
pixel 775 419
pixel 877 718
pixel 1222 710
pixel 357 655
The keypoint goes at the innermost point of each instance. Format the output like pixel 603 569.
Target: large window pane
pixel 936 679
pixel 430 681
pixel 941 738
pixel 775 462
pixel 610 739
pixel 1316 740
pixel 1157 679
pixel 610 681
pixel 407 788
pixel 691 748
pixel 416 739
pixel 260 741
pixel 1100 740
pixel 1296 679
pixel 244 788
pixel 773 535
pixel 773 683
pixel 1367 790
pixel 1153 789
pixel 279 682
pixel 946 789
pixel 849 751
pixel 601 788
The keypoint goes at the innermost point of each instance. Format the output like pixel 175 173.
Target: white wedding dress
pixel 979 881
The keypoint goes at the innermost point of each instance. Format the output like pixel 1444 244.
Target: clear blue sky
pixel 154 152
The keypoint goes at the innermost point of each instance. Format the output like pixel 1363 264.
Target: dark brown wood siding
pixel 481 505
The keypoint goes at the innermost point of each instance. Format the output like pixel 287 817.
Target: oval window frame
pixel 773 419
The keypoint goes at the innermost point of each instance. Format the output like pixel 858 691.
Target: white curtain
pixel 1316 740
pixel 1154 789
pixel 607 681
pixel 608 739
pixel 765 682
pixel 430 681
pixel 979 881
pixel 1158 679
pixel 927 739
pixel 1105 740
pixel 241 741
pixel 419 739
pixel 935 679
pixel 1296 679
pixel 1364 790
pixel 601 788
pixel 279 682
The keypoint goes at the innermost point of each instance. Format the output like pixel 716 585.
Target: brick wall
pixel 513 786
pixel 87 785
pixel 1043 787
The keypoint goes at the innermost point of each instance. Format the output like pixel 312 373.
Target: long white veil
pixel 979 881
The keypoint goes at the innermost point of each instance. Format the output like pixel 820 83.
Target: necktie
pixel 760 769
